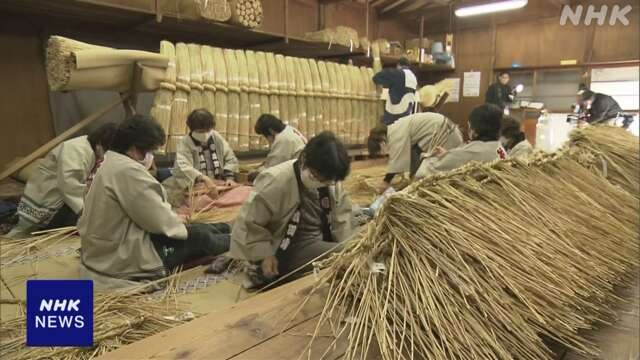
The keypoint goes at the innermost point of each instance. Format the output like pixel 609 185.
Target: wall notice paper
pixel 454 94
pixel 471 86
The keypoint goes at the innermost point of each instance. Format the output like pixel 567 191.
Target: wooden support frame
pixel 44 149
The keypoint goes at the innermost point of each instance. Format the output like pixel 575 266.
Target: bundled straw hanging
pixel 254 96
pixel 243 71
pixel 180 105
pixel 317 93
pixel 209 80
pixel 292 108
pixel 196 80
pixel 283 85
pixel 265 89
pixel 233 101
pixel 344 126
pixel 483 262
pixel 244 131
pixel 161 109
pixel 309 98
pixel 221 98
pixel 333 103
pixel 300 96
pixel 247 13
pixel 274 85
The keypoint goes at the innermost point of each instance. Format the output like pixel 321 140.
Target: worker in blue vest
pixel 402 84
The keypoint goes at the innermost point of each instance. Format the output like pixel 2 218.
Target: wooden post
pixel 421 49
pixel 44 149
pixel 286 21
pixel 366 7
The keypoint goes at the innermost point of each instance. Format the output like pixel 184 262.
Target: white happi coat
pixel 521 149
pixel 417 129
pixel 123 207
pixel 263 220
pixel 286 146
pixel 187 165
pixel 58 180
pixel 480 151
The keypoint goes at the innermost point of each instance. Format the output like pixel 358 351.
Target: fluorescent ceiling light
pixel 491 7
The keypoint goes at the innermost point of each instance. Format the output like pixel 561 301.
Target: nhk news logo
pixel 59 313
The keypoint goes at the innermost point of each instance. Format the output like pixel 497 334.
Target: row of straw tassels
pixel 237 86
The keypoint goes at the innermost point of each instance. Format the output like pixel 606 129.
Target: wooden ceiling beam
pixel 393 5
pixel 326 2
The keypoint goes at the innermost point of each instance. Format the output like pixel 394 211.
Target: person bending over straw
pixel 285 142
pixel 297 212
pixel 408 138
pixel 484 133
pixel 203 156
pixel 513 139
pixel 127 229
pixel 54 195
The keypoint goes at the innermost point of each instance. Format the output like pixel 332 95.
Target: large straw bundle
pixel 610 151
pixel 283 86
pixel 221 106
pixel 344 126
pixel 483 262
pixel 245 121
pixel 73 65
pixel 180 105
pixel 247 13
pixel 233 100
pixel 342 35
pixel 292 108
pixel 309 98
pixel 243 71
pixel 263 72
pixel 316 87
pixel 161 109
pixel 208 79
pixel 196 80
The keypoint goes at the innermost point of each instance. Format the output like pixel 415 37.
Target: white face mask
pixel 309 181
pixel 147 162
pixel 504 141
pixel 202 137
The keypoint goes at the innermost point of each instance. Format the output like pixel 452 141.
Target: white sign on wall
pixel 454 95
pixel 471 85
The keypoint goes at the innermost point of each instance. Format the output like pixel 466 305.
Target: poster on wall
pixel 471 86
pixel 454 94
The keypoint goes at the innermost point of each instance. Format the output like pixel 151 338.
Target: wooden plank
pixel 226 333
pixel 44 149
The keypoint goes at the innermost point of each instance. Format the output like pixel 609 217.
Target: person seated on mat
pixel 407 138
pixel 202 156
pixel 54 195
pixel 285 142
pixel 484 133
pixel 128 231
pixel 513 139
pixel 297 212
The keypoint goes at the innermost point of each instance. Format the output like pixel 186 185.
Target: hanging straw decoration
pixel 244 111
pixel 274 85
pixel 208 79
pixel 283 85
pixel 233 79
pixel 180 106
pixel 195 66
pixel 333 102
pixel 161 109
pixel 221 98
pixel 309 99
pixel 485 261
pixel 255 92
pixel 301 94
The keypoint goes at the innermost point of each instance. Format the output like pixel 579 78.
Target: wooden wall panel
pixel 347 14
pixel 303 16
pixel 518 43
pixel 619 42
pixel 557 42
pixel 24 99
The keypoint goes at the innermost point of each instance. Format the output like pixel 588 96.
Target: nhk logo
pixel 59 313
pixel 575 14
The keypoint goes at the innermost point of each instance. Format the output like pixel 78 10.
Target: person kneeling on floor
pixel 54 195
pixel 297 212
pixel 127 229
pixel 285 142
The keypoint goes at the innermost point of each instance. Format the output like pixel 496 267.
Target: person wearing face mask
pixel 203 156
pixel 285 142
pixel 297 211
pixel 54 195
pixel 128 231
pixel 405 140
pixel 513 139
pixel 484 132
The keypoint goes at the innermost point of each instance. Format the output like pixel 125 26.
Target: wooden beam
pixel 392 6
pixel 324 2
pixel 44 149
pixel 230 332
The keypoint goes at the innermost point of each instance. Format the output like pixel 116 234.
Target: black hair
pixel 201 119
pixel 503 72
pixel 141 131
pixel 268 122
pixel 511 131
pixel 376 136
pixel 102 136
pixel 404 61
pixel 586 95
pixel 327 155
pixel 485 121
